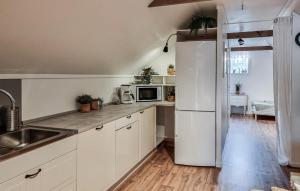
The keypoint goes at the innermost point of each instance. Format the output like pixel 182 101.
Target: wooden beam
pixel 252 48
pixel 158 3
pixel 252 34
pixel 182 37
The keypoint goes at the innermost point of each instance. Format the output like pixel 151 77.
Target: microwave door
pixel 148 94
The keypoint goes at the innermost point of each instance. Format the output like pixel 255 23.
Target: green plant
pixel 238 87
pixel 171 91
pixel 84 99
pixel 171 66
pixel 101 100
pixel 147 75
pixel 202 22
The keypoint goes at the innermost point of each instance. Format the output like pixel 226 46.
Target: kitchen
pixel 94 98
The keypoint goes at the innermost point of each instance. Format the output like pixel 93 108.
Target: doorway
pixel 249 156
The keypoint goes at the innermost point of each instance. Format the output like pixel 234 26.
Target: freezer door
pixel 195 138
pixel 196 75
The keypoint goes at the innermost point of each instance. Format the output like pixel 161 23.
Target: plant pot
pixel 171 71
pixel 171 98
pixel 85 108
pixel 95 105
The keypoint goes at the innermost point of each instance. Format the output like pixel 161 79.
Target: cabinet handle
pixel 141 112
pixel 129 127
pixel 128 116
pixel 30 176
pixel 99 128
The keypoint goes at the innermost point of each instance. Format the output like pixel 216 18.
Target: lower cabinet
pixel 57 175
pixel 127 148
pixel 96 158
pixel 147 120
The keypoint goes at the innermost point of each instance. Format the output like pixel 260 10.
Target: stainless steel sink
pixel 24 137
pixel 29 138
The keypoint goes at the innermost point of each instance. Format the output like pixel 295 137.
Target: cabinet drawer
pixel 124 121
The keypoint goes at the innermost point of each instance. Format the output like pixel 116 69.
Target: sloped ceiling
pixel 297 9
pixel 85 36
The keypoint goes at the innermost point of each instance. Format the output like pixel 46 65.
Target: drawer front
pixel 124 121
pixel 238 100
pixel 239 103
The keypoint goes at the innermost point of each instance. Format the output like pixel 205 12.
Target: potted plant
pixel 202 22
pixel 97 103
pixel 238 88
pixel 146 77
pixel 171 69
pixel 171 94
pixel 85 103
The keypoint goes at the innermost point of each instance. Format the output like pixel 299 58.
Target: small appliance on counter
pixel 148 93
pixel 126 95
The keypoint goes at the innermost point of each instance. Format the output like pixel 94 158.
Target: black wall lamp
pixel 241 41
pixel 166 48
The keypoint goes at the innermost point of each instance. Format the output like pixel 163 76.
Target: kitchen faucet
pixel 11 113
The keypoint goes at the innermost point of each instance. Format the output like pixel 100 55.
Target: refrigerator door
pixel 195 138
pixel 196 76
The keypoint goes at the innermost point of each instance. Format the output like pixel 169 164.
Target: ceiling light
pixel 241 41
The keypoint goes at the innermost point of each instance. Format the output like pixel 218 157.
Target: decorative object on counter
pixel 171 94
pixel 85 103
pixel 202 22
pixel 146 76
pixel 116 96
pixel 238 87
pixel 97 103
pixel 171 70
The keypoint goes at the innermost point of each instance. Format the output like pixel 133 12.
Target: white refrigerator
pixel 195 115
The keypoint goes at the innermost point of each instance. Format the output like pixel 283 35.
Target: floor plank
pixel 249 161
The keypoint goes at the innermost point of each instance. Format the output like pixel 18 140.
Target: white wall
pixel 44 97
pixel 160 64
pixel 295 114
pixel 258 83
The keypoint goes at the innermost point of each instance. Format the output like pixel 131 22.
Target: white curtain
pixel 282 85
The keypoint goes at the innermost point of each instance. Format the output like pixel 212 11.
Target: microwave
pixel 148 93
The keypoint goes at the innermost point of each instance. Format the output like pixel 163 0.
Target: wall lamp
pixel 166 48
pixel 241 42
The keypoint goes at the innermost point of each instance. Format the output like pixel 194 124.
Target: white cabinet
pixel 59 172
pixel 96 158
pixel 127 148
pixel 147 121
pixel 20 183
pixel 51 176
pixel 239 101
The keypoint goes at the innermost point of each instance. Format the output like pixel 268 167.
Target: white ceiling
pixel 256 15
pixel 85 37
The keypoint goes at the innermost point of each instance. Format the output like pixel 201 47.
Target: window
pixel 239 62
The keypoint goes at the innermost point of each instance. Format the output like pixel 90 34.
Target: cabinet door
pixel 148 127
pixel 96 158
pixel 21 183
pixel 67 187
pixel 59 172
pixel 127 148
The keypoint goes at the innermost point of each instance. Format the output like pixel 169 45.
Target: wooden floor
pixel 249 162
